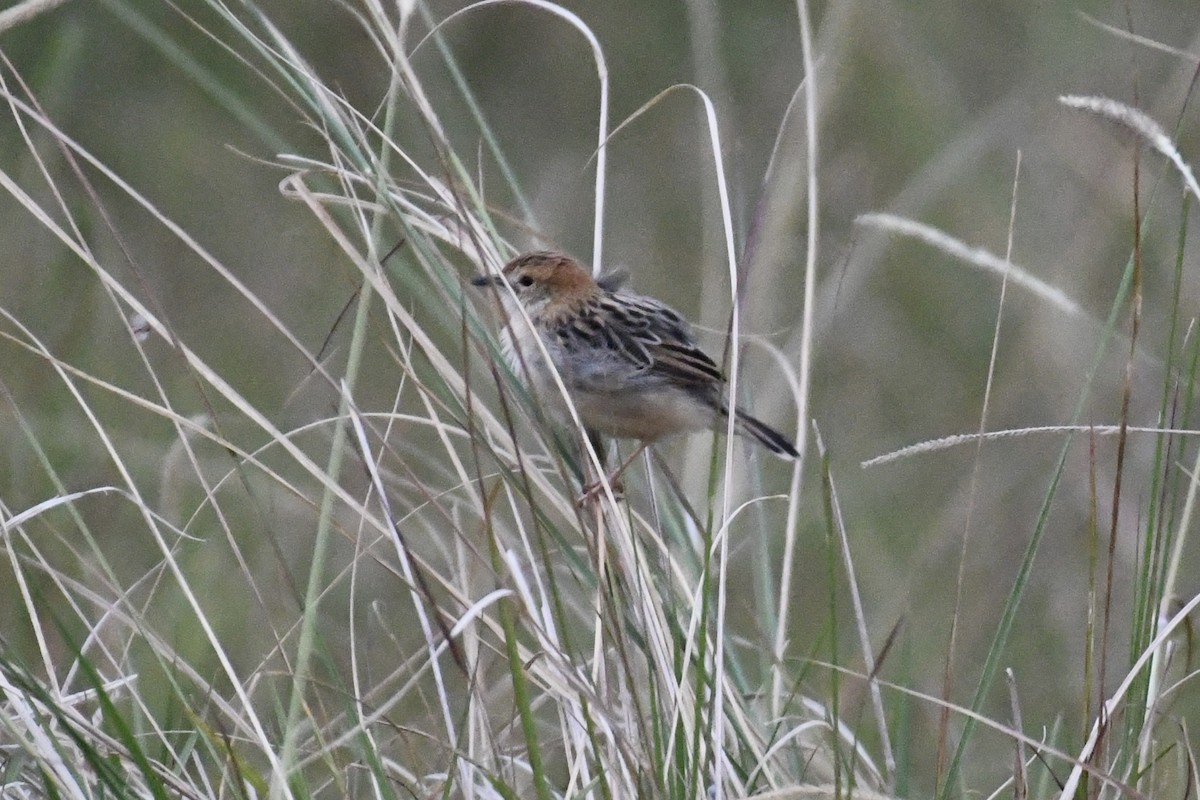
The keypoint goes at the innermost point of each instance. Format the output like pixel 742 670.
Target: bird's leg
pixel 595 489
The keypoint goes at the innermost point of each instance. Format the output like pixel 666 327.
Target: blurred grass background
pixel 923 108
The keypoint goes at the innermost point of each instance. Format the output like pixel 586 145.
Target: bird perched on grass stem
pixel 628 362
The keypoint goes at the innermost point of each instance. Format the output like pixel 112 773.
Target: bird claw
pixel 595 490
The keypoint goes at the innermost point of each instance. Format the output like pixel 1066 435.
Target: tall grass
pixel 398 594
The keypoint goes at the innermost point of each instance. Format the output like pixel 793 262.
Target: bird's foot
pixel 595 490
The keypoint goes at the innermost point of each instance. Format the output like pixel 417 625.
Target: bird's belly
pixel 647 414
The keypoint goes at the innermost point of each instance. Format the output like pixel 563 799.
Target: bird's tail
pixel 768 437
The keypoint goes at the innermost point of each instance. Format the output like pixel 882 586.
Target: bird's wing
pixel 657 340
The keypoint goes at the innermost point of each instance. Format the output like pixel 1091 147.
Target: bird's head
pixel 543 280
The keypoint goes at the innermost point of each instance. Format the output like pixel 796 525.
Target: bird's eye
pixel 525 281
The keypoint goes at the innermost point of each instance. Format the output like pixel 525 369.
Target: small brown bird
pixel 628 362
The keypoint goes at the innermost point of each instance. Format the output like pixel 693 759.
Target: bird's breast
pixel 520 345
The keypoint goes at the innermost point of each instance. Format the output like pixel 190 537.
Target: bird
pixel 629 362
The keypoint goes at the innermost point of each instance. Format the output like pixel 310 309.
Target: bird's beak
pixel 486 280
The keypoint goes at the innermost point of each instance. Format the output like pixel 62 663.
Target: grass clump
pixel 303 563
